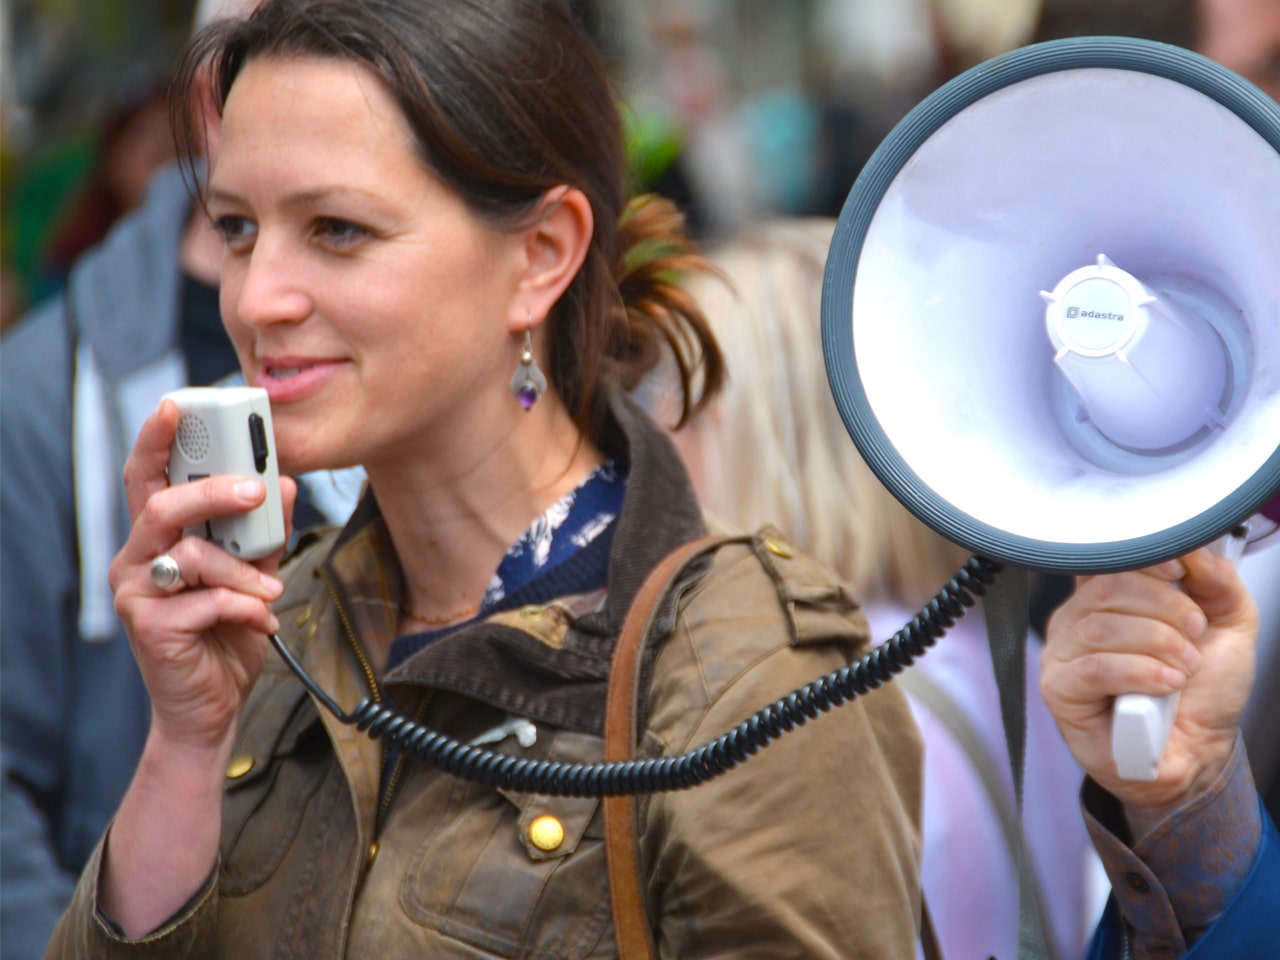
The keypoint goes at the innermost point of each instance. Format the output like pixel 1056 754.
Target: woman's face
pixel 363 295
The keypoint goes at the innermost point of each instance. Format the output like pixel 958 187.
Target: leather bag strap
pixel 630 924
pixel 622 860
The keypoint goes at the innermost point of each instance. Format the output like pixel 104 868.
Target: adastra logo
pixel 1074 312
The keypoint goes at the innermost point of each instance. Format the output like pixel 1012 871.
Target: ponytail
pixel 656 260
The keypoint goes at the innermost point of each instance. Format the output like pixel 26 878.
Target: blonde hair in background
pixel 772 448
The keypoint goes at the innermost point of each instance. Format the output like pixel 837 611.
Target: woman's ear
pixel 555 247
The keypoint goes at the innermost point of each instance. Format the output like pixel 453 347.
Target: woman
pixel 423 206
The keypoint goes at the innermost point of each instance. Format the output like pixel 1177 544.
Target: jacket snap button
pixel 238 767
pixel 546 832
pixel 778 549
pixel 373 852
pixel 305 615
pixel 1136 883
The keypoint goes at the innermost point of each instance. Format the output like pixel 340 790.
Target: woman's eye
pixel 235 231
pixel 340 233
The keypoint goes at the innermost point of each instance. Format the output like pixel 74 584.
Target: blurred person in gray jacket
pixel 78 375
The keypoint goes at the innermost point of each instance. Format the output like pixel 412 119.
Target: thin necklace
pixel 439 620
pixel 469 612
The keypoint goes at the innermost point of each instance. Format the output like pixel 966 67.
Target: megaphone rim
pixel 1242 98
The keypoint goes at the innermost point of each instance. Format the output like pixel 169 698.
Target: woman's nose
pixel 270 287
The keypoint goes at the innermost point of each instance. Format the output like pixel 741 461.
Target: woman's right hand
pixel 201 647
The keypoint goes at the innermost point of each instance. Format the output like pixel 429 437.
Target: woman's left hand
pixel 1187 625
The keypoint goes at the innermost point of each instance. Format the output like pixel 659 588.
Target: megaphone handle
pixel 1141 724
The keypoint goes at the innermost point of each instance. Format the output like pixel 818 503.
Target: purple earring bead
pixel 528 383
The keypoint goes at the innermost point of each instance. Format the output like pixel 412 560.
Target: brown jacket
pixel 809 850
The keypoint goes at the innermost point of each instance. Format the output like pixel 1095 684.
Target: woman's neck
pixel 451 527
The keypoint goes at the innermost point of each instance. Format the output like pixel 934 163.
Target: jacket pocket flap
pixel 553 826
pixel 272 729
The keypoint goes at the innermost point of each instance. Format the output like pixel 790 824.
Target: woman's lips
pixel 289 380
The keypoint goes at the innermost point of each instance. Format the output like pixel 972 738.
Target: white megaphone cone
pixel 1051 313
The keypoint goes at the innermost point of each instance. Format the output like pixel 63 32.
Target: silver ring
pixel 165 573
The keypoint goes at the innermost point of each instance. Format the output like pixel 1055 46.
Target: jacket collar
pixel 660 511
pixel 551 662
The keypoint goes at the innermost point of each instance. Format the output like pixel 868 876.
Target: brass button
pixel 305 615
pixel 546 832
pixel 533 613
pixel 238 767
pixel 373 852
pixel 779 549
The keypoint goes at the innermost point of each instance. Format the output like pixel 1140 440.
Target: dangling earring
pixel 528 384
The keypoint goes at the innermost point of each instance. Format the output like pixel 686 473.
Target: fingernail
pixel 250 491
pixel 273 624
pixel 1191 657
pixel 1174 678
pixel 273 586
pixel 1172 569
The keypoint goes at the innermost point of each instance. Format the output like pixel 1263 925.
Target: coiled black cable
pixel 689 769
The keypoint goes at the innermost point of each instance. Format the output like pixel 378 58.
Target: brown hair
pixel 506 99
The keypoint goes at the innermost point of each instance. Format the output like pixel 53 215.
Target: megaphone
pixel 1051 307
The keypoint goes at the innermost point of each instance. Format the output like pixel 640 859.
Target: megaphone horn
pixel 1001 186
pixel 1051 308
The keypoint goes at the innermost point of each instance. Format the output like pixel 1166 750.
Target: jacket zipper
pixel 397 773
pixel 349 631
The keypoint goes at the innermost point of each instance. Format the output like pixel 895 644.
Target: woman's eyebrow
pixel 306 198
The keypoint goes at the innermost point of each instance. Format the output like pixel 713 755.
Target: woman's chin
pixel 297 459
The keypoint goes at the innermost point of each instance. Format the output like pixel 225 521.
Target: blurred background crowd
pixel 740 110
pixel 738 107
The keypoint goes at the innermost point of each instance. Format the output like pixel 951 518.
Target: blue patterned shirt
pixel 564 551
